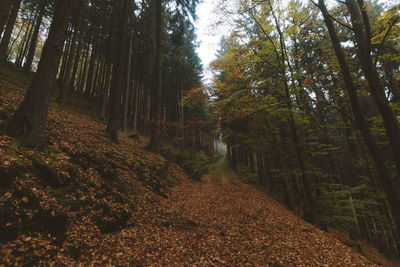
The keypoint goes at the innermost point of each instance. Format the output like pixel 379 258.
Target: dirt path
pixel 204 223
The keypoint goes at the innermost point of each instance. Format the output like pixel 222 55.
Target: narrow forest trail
pixel 225 224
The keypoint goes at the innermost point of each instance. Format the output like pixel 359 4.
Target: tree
pixel 35 34
pixel 29 121
pixel 118 73
pixel 384 176
pixel 5 6
pixel 154 144
pixel 275 81
pixel 8 31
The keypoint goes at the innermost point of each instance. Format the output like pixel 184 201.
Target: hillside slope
pixel 88 200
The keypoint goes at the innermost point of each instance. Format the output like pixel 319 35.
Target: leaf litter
pixel 92 202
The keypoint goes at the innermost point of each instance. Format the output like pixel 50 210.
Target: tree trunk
pixel 25 41
pixel 32 46
pixel 5 6
pixel 76 64
pixel 128 77
pixel 89 80
pixel 8 31
pixel 8 54
pixel 29 121
pixel 154 144
pixel 67 78
pixel 362 33
pixel 117 76
pixel 380 166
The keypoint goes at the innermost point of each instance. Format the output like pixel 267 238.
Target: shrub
pixel 193 162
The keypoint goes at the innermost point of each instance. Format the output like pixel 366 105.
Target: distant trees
pixel 307 101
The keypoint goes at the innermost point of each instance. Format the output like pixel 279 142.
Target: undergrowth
pixel 195 163
pixel 221 169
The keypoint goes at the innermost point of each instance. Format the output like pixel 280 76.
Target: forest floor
pixel 86 200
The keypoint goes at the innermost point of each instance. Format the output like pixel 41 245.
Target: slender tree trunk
pixel 67 78
pixel 76 64
pixel 25 41
pixel 8 31
pixel 9 49
pixel 105 92
pixel 380 166
pixel 136 107
pixel 309 209
pixel 65 56
pixel 29 121
pixel 117 77
pixel 154 144
pixel 5 6
pixel 361 29
pixel 33 43
pixel 89 81
pixel 128 77
pixel 83 72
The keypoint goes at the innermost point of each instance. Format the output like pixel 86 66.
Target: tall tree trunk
pixel 380 166
pixel 117 77
pixel 362 33
pixel 76 64
pixel 8 53
pixel 71 59
pixel 25 41
pixel 128 77
pixel 32 47
pixel 83 71
pixel 154 144
pixel 89 81
pixel 8 31
pixel 29 121
pixel 65 55
pixel 106 91
pixel 309 207
pixel 5 6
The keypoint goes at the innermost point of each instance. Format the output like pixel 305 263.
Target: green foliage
pixel 196 164
pixel 247 176
pixel 221 169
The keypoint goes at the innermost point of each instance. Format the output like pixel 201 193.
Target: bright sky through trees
pixel 207 35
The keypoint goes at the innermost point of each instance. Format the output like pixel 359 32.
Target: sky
pixel 208 36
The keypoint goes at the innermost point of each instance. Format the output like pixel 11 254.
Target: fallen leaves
pixel 106 197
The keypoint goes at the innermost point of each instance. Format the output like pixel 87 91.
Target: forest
pixel 114 148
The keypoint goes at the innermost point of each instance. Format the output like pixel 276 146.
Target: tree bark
pixel 117 77
pixel 127 89
pixel 25 41
pixel 8 31
pixel 5 6
pixel 33 43
pixel 72 58
pixel 89 80
pixel 154 144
